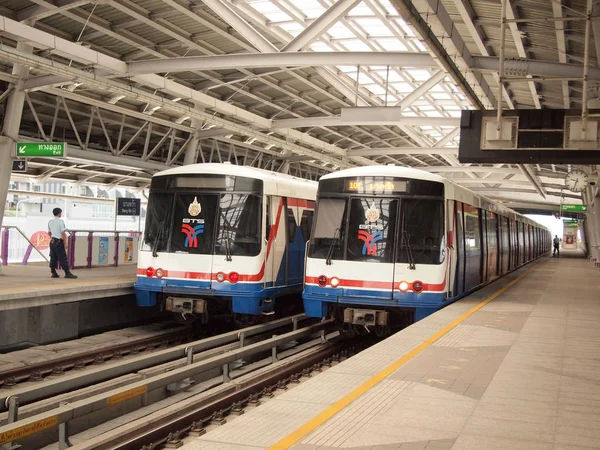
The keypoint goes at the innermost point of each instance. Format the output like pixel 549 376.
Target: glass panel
pixel 158 216
pixel 239 225
pixel 492 245
pixel 192 229
pixel 472 247
pixel 329 229
pixel 423 227
pixel 371 229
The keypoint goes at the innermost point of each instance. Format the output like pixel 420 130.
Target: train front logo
pixel 370 240
pixel 191 239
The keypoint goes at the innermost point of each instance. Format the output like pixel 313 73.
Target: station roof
pixel 305 87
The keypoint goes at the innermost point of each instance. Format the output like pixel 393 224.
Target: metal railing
pixel 85 248
pixel 5 245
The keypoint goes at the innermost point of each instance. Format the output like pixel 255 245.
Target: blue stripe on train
pixel 316 298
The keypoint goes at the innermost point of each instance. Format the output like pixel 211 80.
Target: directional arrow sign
pixel 577 208
pixel 41 149
pixel 19 165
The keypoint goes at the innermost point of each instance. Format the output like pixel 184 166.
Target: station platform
pixel 31 286
pixel 515 365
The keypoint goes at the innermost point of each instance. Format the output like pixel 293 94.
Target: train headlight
pixel 417 286
pixel 335 282
pixel 159 273
pixel 322 280
pixel 220 277
pixel 234 277
pixel 150 272
pixel 403 286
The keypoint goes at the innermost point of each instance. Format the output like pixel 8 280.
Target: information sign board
pixel 575 208
pixel 19 165
pixel 40 149
pixel 128 206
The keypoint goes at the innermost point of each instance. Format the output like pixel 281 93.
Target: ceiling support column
pixel 10 128
pixel 191 152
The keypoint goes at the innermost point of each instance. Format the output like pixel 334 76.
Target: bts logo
pixel 370 240
pixel 192 234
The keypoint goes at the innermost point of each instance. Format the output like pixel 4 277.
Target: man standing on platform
pixel 58 244
pixel 556 245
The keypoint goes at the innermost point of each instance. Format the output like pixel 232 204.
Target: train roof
pixel 275 183
pixel 385 171
pixel 407 172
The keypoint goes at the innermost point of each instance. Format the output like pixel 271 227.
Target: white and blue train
pixel 222 239
pixel 393 244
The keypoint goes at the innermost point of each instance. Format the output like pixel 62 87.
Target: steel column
pixel 10 128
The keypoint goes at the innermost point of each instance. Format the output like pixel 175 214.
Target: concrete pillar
pixel 11 127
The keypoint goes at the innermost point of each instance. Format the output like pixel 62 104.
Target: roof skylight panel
pixel 403 87
pixel 340 31
pixel 277 16
pixel 392 45
pixel 264 6
pixel 419 75
pixel 356 45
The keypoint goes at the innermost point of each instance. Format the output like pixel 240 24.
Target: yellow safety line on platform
pixel 321 418
pixel 75 283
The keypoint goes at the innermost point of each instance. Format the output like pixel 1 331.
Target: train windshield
pixel 192 218
pixel 401 222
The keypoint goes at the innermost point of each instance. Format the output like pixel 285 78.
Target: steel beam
pixel 425 87
pixel 312 32
pixel 561 47
pixel 221 9
pixel 373 116
pixel 45 8
pixel 525 67
pixel 517 37
pixel 10 128
pixel 430 19
pixel 261 60
pixel 385 151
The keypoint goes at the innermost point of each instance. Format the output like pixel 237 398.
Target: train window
pixel 193 223
pixel 239 225
pixel 306 224
pixel 422 232
pixel 329 229
pixel 492 245
pixel 371 228
pixel 291 221
pixel 158 217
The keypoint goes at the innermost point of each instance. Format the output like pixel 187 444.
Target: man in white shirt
pixel 58 244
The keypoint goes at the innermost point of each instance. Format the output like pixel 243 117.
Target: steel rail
pixel 66 412
pixel 45 389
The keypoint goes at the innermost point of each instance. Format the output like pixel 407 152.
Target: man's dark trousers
pixel 58 254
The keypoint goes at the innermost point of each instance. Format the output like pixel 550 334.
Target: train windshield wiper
pixel 406 244
pixel 158 239
pixel 334 241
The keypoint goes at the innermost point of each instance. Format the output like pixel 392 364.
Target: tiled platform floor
pixel 31 285
pixel 522 372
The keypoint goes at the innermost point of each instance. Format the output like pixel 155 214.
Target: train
pixel 223 240
pixel 392 245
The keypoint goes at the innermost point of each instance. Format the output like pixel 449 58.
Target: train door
pixel 492 246
pixel 372 228
pixel 295 245
pixel 459 283
pixel 473 247
pixel 278 239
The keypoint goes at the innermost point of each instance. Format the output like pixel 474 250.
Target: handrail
pixel 71 239
pixel 4 250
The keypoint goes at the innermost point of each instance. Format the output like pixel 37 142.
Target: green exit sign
pixel 574 208
pixel 33 149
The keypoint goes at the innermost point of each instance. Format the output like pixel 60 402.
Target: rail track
pixel 266 354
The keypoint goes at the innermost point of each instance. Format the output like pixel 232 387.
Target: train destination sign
pixel 40 149
pixel 370 185
pixel 574 208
